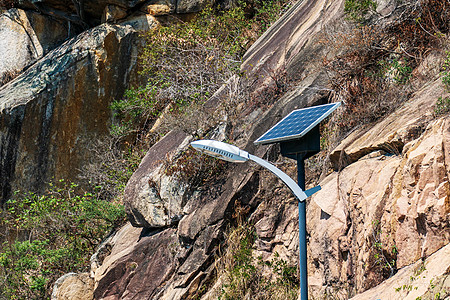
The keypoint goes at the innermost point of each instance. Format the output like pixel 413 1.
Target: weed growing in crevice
pixel 244 274
pixel 384 256
pixel 443 103
pixel 442 106
pixel 446 71
pixel 359 10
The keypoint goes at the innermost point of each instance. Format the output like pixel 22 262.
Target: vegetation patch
pixel 442 106
pixel 49 235
pixel 358 10
pixel 373 68
pixel 245 275
pixel 384 256
pixel 187 62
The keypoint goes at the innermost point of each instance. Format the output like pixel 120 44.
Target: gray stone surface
pixel 191 6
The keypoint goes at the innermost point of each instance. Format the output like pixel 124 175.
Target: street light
pixel 232 153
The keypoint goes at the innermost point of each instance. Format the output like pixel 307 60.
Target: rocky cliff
pixel 378 229
pixel 386 209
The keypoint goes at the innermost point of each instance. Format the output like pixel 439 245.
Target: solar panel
pixel 297 123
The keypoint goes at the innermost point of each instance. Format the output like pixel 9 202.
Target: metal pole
pixel 302 230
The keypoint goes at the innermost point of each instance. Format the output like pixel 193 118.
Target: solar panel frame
pixel 332 107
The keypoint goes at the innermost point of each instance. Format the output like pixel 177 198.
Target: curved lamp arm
pixel 293 186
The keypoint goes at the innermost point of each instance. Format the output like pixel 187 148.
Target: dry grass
pixel 8 76
pixel 244 276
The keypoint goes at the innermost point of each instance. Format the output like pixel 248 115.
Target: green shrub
pixel 49 235
pixel 443 103
pixel 358 10
pixel 446 71
pixel 442 106
pixel 397 70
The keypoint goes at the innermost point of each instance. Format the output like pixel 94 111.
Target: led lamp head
pixel 221 150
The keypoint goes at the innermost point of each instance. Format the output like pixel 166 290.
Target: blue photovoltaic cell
pixel 297 123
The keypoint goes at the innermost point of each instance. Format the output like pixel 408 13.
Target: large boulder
pixel 26 36
pixel 153 199
pixel 141 272
pixel 51 113
pixel 392 133
pixel 73 286
pixel 190 6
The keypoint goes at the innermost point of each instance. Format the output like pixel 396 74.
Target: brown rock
pixel 392 133
pixel 357 207
pixel 422 193
pixel 290 40
pixel 118 245
pixel 159 7
pixel 141 272
pixel 151 198
pixel 113 13
pixel 399 202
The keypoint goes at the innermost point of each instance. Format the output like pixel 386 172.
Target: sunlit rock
pixel 25 36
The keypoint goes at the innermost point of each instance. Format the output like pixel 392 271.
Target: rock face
pixel 385 208
pixel 156 260
pixel 382 213
pixel 25 37
pixel 391 134
pixel 153 199
pixel 51 113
